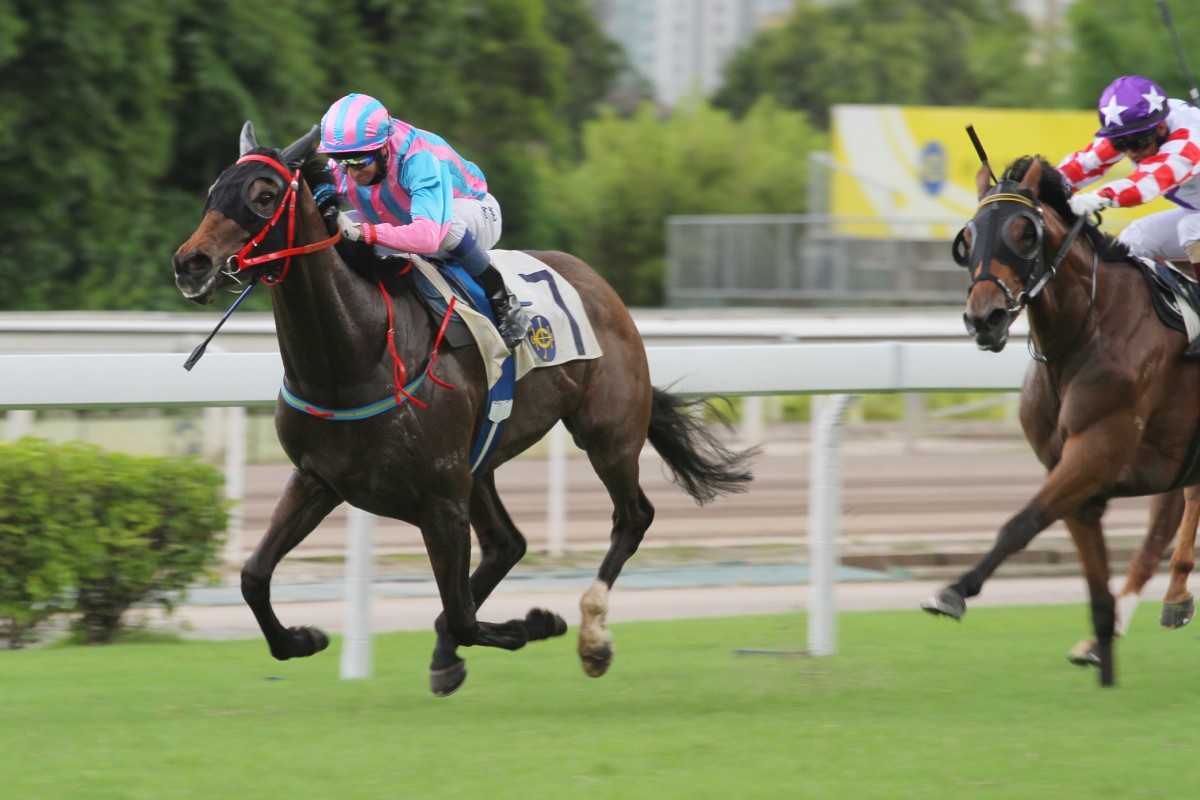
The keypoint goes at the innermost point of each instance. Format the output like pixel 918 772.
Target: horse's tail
pixel 698 461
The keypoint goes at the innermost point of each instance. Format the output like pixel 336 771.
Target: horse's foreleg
pixel 1073 482
pixel 1093 557
pixel 1166 512
pixel 305 501
pixel 1178 605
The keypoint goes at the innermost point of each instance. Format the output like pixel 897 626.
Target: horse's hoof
pixel 597 661
pixel 542 623
pixel 1084 654
pixel 446 681
pixel 1176 615
pixel 947 602
pixel 305 641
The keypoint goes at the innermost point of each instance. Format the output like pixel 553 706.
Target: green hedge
pixel 91 533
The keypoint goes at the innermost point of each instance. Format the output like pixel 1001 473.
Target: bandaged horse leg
pixel 595 640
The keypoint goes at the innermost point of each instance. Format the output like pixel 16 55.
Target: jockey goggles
pixel 355 161
pixel 1135 141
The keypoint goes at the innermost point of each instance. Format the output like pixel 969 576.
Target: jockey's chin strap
pixel 288 202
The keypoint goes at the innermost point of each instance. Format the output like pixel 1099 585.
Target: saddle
pixel 397 276
pixel 1176 297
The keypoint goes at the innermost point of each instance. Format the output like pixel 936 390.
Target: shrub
pixel 35 539
pixel 116 529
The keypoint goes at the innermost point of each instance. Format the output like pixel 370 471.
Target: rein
pixel 1042 358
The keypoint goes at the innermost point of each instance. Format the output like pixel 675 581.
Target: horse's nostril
pixel 997 319
pixel 193 263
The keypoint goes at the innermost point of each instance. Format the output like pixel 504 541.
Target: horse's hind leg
pixel 305 501
pixel 617 467
pixel 447 534
pixel 501 547
pixel 1166 511
pixel 1178 605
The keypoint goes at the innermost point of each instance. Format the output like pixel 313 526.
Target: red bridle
pixel 289 202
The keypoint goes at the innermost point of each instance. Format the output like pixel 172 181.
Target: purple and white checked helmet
pixel 1131 104
pixel 356 123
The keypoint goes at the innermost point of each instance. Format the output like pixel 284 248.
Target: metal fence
pixel 806 260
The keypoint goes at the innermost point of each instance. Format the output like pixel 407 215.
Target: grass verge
pixel 910 707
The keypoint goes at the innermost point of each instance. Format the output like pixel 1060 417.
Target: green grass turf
pixel 910 707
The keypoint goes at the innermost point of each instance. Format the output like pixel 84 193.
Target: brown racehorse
pixel 411 462
pixel 1108 405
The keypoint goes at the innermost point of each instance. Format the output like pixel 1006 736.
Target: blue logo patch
pixel 932 166
pixel 542 338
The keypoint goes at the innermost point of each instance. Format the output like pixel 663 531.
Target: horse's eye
pixel 265 199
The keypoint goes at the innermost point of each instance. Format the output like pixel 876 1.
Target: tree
pixel 1114 38
pixel 878 51
pixel 636 172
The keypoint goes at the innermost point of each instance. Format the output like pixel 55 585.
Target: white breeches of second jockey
pixel 1173 235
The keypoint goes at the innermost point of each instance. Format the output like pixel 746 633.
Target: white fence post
pixel 754 417
pixel 356 640
pixel 235 481
pixel 824 510
pixel 20 423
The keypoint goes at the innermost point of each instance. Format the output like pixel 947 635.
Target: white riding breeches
pixel 1168 235
pixel 480 217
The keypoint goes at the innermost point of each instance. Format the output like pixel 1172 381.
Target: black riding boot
pixel 511 320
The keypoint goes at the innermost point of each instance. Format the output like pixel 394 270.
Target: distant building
pixel 682 46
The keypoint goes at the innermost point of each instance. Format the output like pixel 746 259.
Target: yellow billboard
pixel 909 171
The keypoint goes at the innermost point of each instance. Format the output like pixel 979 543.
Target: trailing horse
pixel 1108 405
pixel 345 344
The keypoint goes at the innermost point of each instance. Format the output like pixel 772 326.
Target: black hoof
pixel 1176 615
pixel 947 602
pixel 541 623
pixel 304 642
pixel 446 681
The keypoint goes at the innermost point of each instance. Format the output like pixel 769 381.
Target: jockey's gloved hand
pixel 350 229
pixel 1087 203
pixel 328 203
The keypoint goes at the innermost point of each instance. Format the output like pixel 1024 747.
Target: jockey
pixel 413 193
pixel 1162 136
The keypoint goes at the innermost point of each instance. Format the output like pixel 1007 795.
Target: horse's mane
pixel 360 257
pixel 1054 192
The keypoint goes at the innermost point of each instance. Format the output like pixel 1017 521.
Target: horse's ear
pixel 248 141
pixel 1033 176
pixel 295 153
pixel 983 180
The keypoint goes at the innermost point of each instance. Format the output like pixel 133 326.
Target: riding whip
pixel 1187 73
pixel 199 351
pixel 979 149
